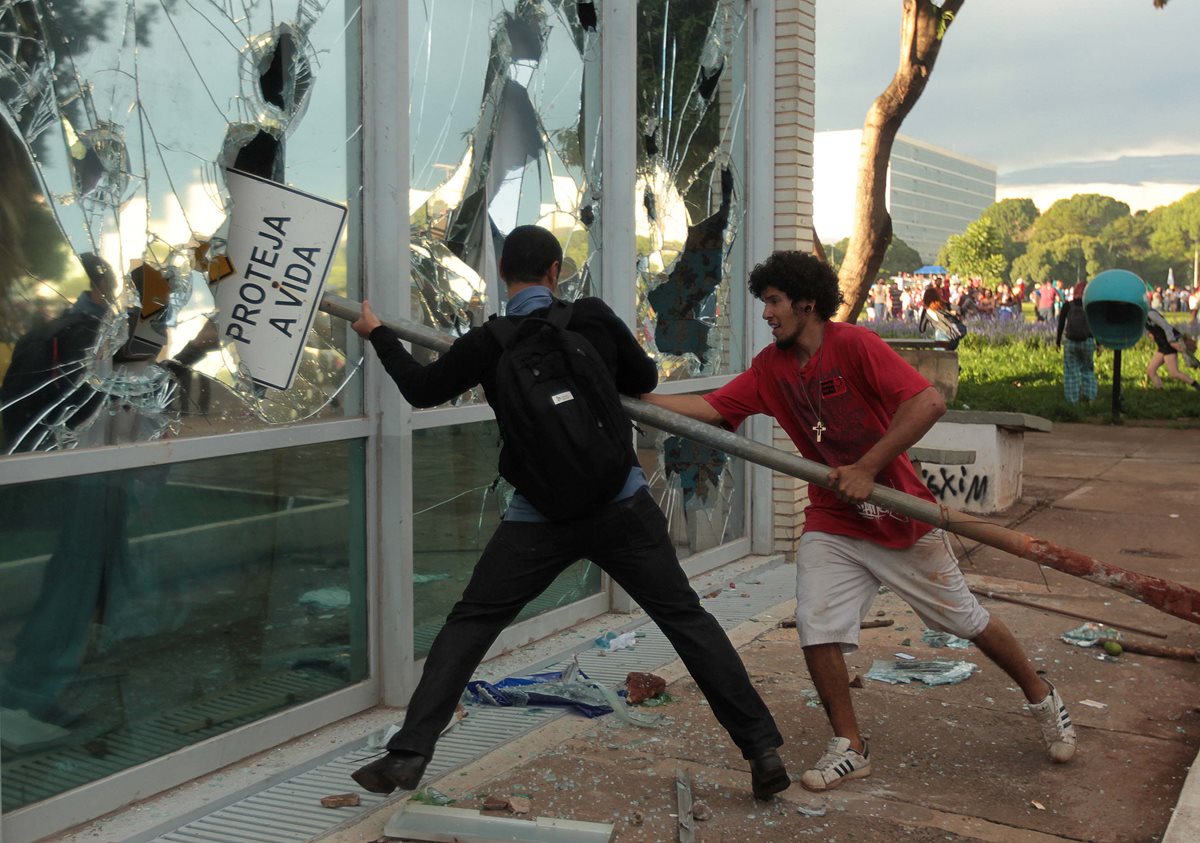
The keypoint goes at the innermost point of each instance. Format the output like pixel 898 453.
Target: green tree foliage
pixel 1069 258
pixel 977 252
pixel 1084 214
pixel 899 257
pixel 1013 218
pixel 1176 234
pixel 1128 240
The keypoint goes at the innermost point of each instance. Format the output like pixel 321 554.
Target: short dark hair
pixel 801 277
pixel 529 251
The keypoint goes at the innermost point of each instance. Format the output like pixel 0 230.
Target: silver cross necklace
pixel 819 427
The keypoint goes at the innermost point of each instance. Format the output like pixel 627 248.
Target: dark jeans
pixel 628 540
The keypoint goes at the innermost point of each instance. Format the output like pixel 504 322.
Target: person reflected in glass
pixel 45 387
pixel 626 537
pixel 91 592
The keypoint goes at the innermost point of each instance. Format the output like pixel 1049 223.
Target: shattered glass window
pixel 117 125
pixel 697 487
pixel 690 192
pixel 149 609
pixel 458 499
pixel 504 131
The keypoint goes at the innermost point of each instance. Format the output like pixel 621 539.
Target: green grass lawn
pixel 1014 366
pixel 1024 374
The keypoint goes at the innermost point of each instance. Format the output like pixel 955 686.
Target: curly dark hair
pixel 801 277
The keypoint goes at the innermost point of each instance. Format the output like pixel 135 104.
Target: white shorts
pixel 837 578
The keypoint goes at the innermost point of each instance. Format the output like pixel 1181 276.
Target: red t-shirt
pixel 862 382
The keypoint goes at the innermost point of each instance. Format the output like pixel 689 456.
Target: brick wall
pixel 795 43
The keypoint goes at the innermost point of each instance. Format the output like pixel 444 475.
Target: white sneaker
pixel 839 763
pixel 1057 732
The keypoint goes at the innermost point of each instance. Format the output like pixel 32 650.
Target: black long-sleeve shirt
pixel 473 357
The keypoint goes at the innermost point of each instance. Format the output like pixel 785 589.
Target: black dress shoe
pixel 768 776
pixel 394 770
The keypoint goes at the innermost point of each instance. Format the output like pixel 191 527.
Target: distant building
pixel 932 193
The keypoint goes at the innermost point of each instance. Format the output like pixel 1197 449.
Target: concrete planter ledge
pixel 991 482
pixel 1011 421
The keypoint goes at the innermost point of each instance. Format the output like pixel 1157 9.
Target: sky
pixel 1063 97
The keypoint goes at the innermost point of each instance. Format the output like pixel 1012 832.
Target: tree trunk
pixel 922 28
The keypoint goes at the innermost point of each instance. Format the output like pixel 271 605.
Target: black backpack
pixel 567 439
pixel 1076 328
pixel 41 374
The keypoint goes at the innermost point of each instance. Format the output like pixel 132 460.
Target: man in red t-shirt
pixel 847 400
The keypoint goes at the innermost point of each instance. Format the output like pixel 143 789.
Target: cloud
pixel 1139 197
pixel 1024 83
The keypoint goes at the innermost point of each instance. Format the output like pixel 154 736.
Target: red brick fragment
pixel 340 800
pixel 644 686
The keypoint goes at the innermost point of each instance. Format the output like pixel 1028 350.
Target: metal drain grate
pixel 290 811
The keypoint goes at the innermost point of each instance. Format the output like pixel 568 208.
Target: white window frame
pixel 389 422
pixel 381 35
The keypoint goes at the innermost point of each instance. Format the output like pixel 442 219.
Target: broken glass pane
pixel 697 487
pixel 690 194
pixel 504 131
pixel 458 500
pixel 116 125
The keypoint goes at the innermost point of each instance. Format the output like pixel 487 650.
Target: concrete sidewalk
pixel 961 762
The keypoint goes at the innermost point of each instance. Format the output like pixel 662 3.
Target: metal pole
pixel 1116 395
pixel 1170 597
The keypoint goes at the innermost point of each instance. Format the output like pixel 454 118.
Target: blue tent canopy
pixel 931 269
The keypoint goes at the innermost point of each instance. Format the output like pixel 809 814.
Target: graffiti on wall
pixel 956 484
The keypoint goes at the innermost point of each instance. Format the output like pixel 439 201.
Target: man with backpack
pixel 534 365
pixel 1079 369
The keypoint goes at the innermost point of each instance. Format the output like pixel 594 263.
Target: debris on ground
pixel 683 796
pixel 644 686
pixel 1089 633
pixel 431 796
pixel 811 810
pixel 570 687
pixel 519 805
pixel 340 800
pixel 612 641
pixel 932 672
pixel 701 811
pixel 856 682
pixel 876 624
pixel 1093 704
pixel 944 639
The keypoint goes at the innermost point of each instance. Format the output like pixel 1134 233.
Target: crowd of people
pixel 902 297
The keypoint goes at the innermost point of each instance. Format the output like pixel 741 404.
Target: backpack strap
pixel 502 329
pixel 560 312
